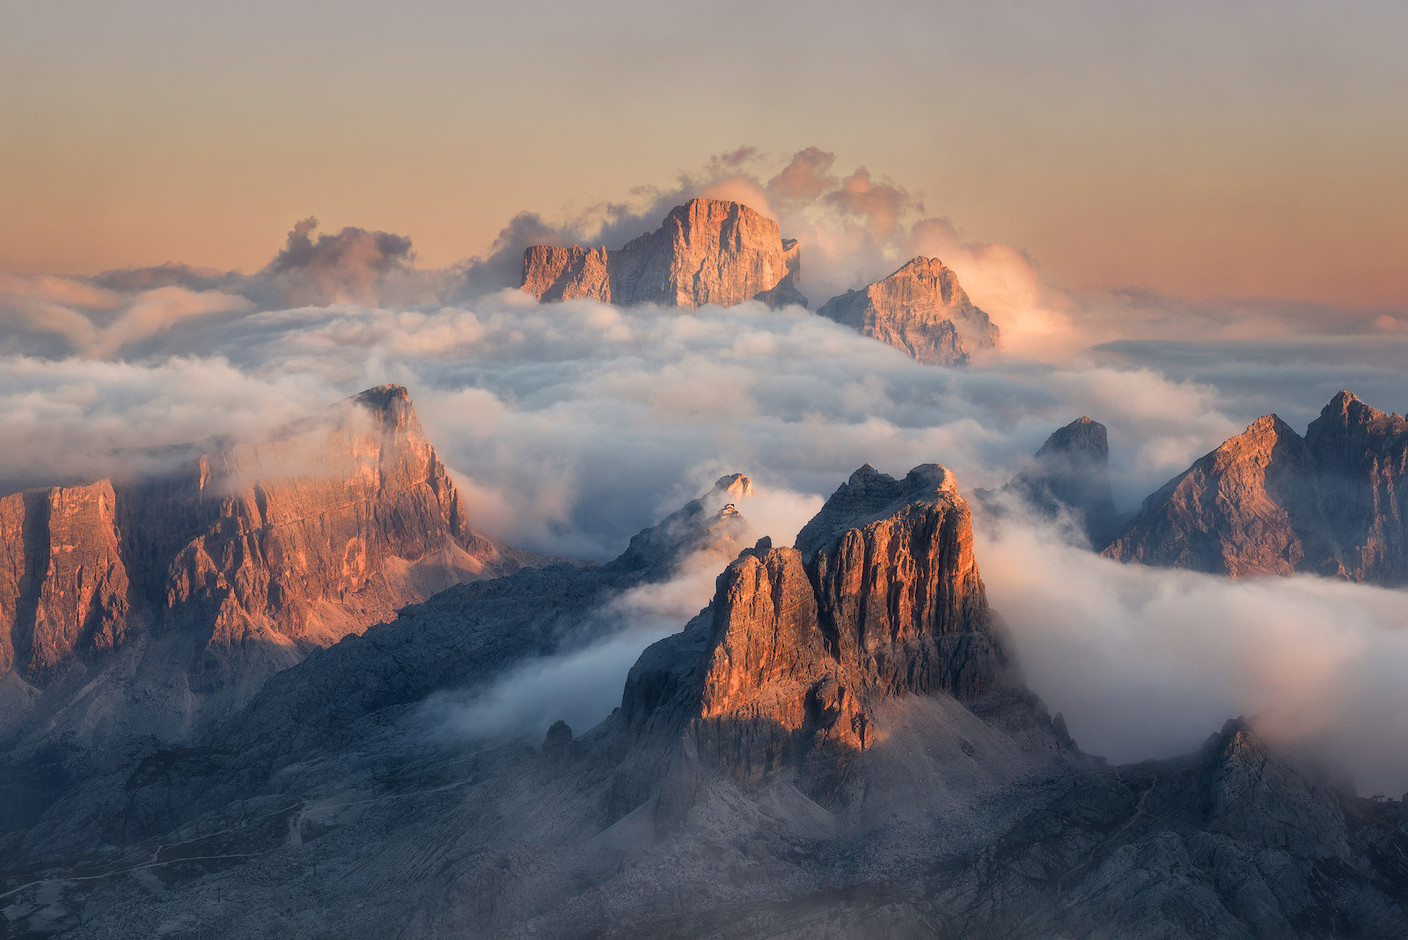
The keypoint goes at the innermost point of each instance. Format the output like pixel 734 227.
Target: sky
pixel 221 218
pixel 1198 149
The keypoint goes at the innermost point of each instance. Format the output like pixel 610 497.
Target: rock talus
pixel 707 251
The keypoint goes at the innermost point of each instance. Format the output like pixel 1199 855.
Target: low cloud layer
pixel 572 426
pixel 580 423
pixel 583 683
pixel 1147 662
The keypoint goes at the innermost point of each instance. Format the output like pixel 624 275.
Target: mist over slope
pixel 571 426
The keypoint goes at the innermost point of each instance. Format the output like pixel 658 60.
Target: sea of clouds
pixel 571 426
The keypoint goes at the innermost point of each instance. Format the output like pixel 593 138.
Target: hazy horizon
pixel 1198 151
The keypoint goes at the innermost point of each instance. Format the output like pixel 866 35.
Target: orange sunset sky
pixel 1200 149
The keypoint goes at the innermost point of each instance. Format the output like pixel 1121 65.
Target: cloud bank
pixel 1147 662
pixel 572 426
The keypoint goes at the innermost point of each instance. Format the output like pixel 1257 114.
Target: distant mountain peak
pixel 1269 501
pixel 710 523
pixel 921 309
pixel 1070 473
pixel 707 251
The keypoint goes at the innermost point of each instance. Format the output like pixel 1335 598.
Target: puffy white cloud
pixel 1146 662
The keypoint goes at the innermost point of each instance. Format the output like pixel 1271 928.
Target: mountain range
pixel 841 742
pixel 710 251
pixel 155 604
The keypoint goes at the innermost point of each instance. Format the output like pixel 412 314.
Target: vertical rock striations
pixel 879 598
pixel 294 542
pixel 1269 501
pixel 708 251
pixel 64 587
pixel 921 309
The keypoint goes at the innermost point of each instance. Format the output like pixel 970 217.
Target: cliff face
pixel 921 309
pixel 63 583
pixel 879 598
pixel 707 252
pixel 295 542
pixel 1271 502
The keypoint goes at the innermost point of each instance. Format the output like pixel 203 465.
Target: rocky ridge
pixel 880 598
pixel 733 793
pixel 922 309
pixel 1270 501
pixel 707 251
pixel 237 560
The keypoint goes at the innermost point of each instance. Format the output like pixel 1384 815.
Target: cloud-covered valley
pixel 571 426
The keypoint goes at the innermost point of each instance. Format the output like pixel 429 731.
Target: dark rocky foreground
pixel 839 745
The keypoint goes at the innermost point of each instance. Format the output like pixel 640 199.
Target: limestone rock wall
pixel 921 309
pixel 300 540
pixel 707 251
pixel 881 597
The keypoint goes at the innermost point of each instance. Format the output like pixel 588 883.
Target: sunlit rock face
pixel 921 309
pixel 64 586
pixel 708 251
pixel 880 598
pixel 290 543
pixel 1269 501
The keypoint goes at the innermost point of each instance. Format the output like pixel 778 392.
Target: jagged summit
pixel 1070 473
pixel 707 251
pixel 921 309
pixel 1270 501
pixel 710 523
pixel 388 403
pixel 1084 436
pixel 794 660
pixel 251 553
pixel 870 495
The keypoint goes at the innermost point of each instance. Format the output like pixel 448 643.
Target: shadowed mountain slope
pixel 1270 501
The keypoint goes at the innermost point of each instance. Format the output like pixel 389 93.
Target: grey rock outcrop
pixel 1070 473
pixel 921 309
pixel 708 251
pixel 1269 501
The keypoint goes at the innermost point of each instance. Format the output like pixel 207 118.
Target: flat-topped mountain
pixel 235 562
pixel 1270 501
pixel 708 251
pixel 921 309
